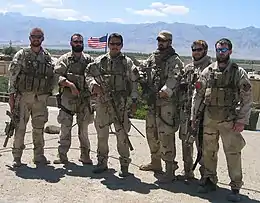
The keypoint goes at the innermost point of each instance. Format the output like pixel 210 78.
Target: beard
pixel 221 59
pixel 36 43
pixel 77 49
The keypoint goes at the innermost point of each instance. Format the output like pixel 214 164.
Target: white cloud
pixel 17 6
pixel 116 20
pixel 64 14
pixel 161 9
pixel 48 3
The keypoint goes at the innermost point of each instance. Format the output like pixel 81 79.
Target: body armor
pixel 37 74
pixel 114 71
pixel 221 96
pixel 76 70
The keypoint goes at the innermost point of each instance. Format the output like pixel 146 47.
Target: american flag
pixel 97 42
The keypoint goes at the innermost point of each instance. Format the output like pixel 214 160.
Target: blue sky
pixel 232 13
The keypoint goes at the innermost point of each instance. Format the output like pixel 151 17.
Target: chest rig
pixel 36 74
pixel 221 95
pixel 75 71
pixel 114 72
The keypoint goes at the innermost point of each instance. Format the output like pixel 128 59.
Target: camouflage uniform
pixel 221 92
pixel 70 68
pixel 31 77
pixel 191 73
pixel 162 119
pixel 119 74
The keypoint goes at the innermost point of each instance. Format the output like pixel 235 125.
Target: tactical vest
pixel 221 96
pixel 76 71
pixel 37 74
pixel 115 74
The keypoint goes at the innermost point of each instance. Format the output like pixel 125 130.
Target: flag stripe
pixel 97 42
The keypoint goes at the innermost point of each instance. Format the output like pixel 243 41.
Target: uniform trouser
pixel 84 118
pixel 188 149
pixel 152 135
pixel 167 125
pixel 104 117
pixel 36 107
pixel 233 143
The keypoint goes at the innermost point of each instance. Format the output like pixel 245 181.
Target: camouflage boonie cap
pixel 165 35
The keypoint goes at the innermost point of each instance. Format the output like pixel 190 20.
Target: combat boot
pixel 100 168
pixel 42 161
pixel 85 158
pixel 124 171
pixel 207 186
pixel 169 175
pixel 17 162
pixel 62 159
pixel 234 196
pixel 155 166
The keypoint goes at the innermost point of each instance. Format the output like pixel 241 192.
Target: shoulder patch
pixel 246 87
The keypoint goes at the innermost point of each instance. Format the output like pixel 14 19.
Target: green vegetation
pixel 3 84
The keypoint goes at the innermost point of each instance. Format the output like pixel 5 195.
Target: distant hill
pixel 137 37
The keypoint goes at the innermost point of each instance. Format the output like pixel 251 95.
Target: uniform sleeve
pixel 133 77
pixel 173 73
pixel 60 69
pixel 91 72
pixel 14 70
pixel 245 96
pixel 199 93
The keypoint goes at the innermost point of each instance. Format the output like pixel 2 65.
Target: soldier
pixel 162 119
pixel 74 99
pixel 200 60
pixel 226 93
pixel 30 85
pixel 120 74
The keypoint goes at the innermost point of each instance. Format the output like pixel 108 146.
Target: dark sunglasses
pixel 161 40
pixel 117 44
pixel 198 49
pixel 36 36
pixel 222 50
pixel 77 42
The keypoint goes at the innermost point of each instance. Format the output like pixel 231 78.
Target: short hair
pixel 203 43
pixel 76 34
pixel 37 29
pixel 223 41
pixel 115 35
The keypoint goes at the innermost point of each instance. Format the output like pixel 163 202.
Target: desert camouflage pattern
pixel 228 98
pixel 121 75
pixel 192 72
pixel 68 67
pixel 30 79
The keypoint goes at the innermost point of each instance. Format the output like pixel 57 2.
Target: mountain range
pixel 137 37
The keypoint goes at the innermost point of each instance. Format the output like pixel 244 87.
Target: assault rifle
pixel 110 95
pixel 9 128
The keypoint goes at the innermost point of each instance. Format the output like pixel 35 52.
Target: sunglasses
pixel 36 36
pixel 117 43
pixel 198 49
pixel 162 40
pixel 78 41
pixel 222 50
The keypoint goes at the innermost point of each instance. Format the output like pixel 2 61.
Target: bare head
pixel 223 50
pixel 115 44
pixel 36 37
pixel 199 49
pixel 77 43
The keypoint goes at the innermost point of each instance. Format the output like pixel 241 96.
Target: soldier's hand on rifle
pixel 11 102
pixel 163 94
pixel 238 127
pixel 74 89
pixel 97 90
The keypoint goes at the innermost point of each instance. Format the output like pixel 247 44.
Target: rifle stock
pixel 9 128
pixel 107 92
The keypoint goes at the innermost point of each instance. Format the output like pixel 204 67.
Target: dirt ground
pixel 76 183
